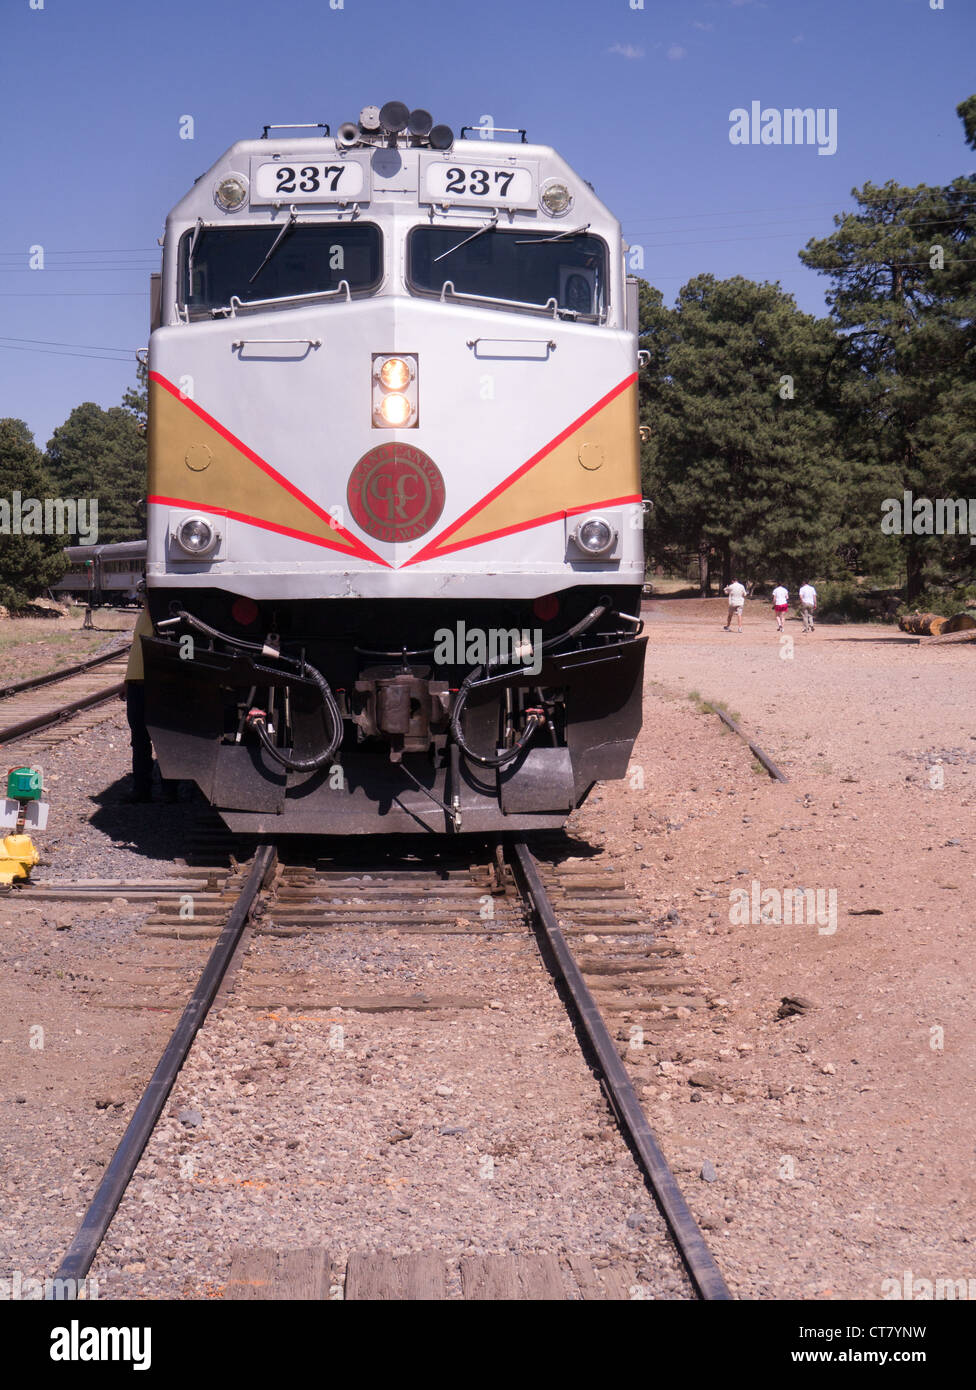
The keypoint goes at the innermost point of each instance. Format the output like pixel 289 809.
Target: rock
pixel 190 1118
pixel 443 1090
pixel 775 1092
pixel 708 1173
pixel 794 1004
pixel 706 1079
pixel 828 1069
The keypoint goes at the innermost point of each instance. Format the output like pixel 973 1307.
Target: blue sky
pixel 637 99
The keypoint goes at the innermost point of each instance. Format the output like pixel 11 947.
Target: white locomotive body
pixel 395 537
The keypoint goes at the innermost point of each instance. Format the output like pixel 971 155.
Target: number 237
pixel 479 181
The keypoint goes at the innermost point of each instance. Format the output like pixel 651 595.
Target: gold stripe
pixel 560 481
pixel 179 441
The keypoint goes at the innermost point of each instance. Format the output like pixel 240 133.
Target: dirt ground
pixel 840 1138
pixel 32 646
pixel 843 1135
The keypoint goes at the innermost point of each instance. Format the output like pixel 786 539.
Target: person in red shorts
pixel 781 605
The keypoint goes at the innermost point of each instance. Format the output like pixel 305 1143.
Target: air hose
pixel 536 717
pixel 257 719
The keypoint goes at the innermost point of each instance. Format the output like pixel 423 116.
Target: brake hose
pixel 535 717
pixel 257 720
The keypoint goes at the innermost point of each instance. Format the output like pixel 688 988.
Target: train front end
pixel 395 536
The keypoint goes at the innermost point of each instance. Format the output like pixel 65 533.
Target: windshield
pixel 309 258
pixel 531 267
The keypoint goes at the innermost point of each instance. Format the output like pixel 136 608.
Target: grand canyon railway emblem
pixel 395 493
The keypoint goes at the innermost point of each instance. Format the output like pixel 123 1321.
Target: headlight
pixel 595 536
pixel 394 399
pixel 230 193
pixel 556 198
pixel 394 374
pixel 395 409
pixel 196 536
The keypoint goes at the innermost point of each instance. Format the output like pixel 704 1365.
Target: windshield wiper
pixel 197 233
pixel 488 227
pixel 274 246
pixel 560 236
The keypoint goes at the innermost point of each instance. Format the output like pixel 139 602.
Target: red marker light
pixel 244 612
pixel 546 607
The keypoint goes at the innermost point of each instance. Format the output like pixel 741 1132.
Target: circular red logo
pixel 395 492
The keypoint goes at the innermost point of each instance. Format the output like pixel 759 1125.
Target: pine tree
pixel 136 398
pixel 904 299
pixel 102 453
pixel 744 458
pixel 28 563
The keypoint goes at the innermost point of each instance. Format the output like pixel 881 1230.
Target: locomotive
pixel 395 526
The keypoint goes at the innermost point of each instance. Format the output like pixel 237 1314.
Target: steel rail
pixel 105 1203
pixel 704 1273
pixel 63 674
pixel 777 773
pixel 44 721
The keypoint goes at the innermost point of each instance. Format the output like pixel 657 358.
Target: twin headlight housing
pixel 395 401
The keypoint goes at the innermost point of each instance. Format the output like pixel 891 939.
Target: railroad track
pixel 331 905
pixel 32 712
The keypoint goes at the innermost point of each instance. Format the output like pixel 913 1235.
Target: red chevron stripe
pixel 355 546
pixel 438 546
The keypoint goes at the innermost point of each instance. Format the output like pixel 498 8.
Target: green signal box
pixel 24 783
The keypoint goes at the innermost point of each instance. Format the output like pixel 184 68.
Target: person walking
pixel 808 606
pixel 737 598
pixel 781 605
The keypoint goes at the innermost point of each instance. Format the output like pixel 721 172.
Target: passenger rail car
pixel 103 575
pixel 395 525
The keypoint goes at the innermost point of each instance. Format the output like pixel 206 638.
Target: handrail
pixel 237 303
pixel 552 303
pixel 301 125
pixel 260 342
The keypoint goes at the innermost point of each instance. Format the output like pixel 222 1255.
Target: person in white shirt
pixel 781 605
pixel 737 598
pixel 808 604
